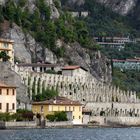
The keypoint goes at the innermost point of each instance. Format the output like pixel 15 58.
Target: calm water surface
pixel 72 134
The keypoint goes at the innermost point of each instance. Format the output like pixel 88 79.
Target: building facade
pixel 73 109
pixel 74 71
pixel 6 45
pixel 7 98
pixel 113 42
pixel 128 64
pixel 38 67
pixel 101 99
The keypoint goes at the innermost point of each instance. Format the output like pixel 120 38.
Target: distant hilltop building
pixel 113 42
pixel 80 14
pixel 6 45
pixel 130 64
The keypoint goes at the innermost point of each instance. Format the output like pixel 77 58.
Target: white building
pixel 74 71
pixel 7 98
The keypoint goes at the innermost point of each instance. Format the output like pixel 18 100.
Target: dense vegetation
pixel 57 116
pixel 134 17
pixel 127 80
pixel 130 51
pixel 4 56
pixel 45 95
pixel 45 30
pixel 21 115
pixel 101 20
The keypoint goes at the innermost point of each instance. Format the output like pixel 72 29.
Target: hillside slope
pixel 36 31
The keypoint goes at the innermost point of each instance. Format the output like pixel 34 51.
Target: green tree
pixel 46 94
pixel 10 10
pixel 57 116
pixel 4 56
pixel 22 3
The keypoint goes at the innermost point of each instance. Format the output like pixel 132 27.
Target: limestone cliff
pixel 122 7
pixel 8 76
pixel 28 50
pixel 98 65
pixel 31 5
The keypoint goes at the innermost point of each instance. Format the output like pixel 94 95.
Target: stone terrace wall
pixel 114 109
pixel 85 89
pixel 114 121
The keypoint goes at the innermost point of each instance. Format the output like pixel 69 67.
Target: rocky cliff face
pixel 26 49
pixel 96 63
pixel 120 6
pixel 8 76
pixel 31 5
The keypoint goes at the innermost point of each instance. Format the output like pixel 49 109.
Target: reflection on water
pixel 72 134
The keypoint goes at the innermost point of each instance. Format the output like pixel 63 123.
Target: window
pixel 5 45
pixel 0 91
pixel 0 106
pixel 73 117
pixel 73 108
pixel 7 91
pixel 42 108
pixel 7 107
pixel 13 91
pixel 80 108
pixel 65 108
pixel 79 117
pixel 13 106
pixel 69 108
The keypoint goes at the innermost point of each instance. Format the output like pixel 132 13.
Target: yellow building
pixel 7 46
pixel 73 109
pixel 7 98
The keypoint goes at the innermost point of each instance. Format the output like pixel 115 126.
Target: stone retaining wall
pixel 20 124
pixel 55 124
pixel 114 121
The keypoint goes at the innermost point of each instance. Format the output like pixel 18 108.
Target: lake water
pixel 72 134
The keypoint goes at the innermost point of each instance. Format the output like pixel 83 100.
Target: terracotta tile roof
pixel 3 85
pixel 70 67
pixel 132 60
pixel 58 101
pixel 127 60
pixel 73 68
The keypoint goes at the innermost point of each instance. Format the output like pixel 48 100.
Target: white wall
pixel 4 99
pixel 77 72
